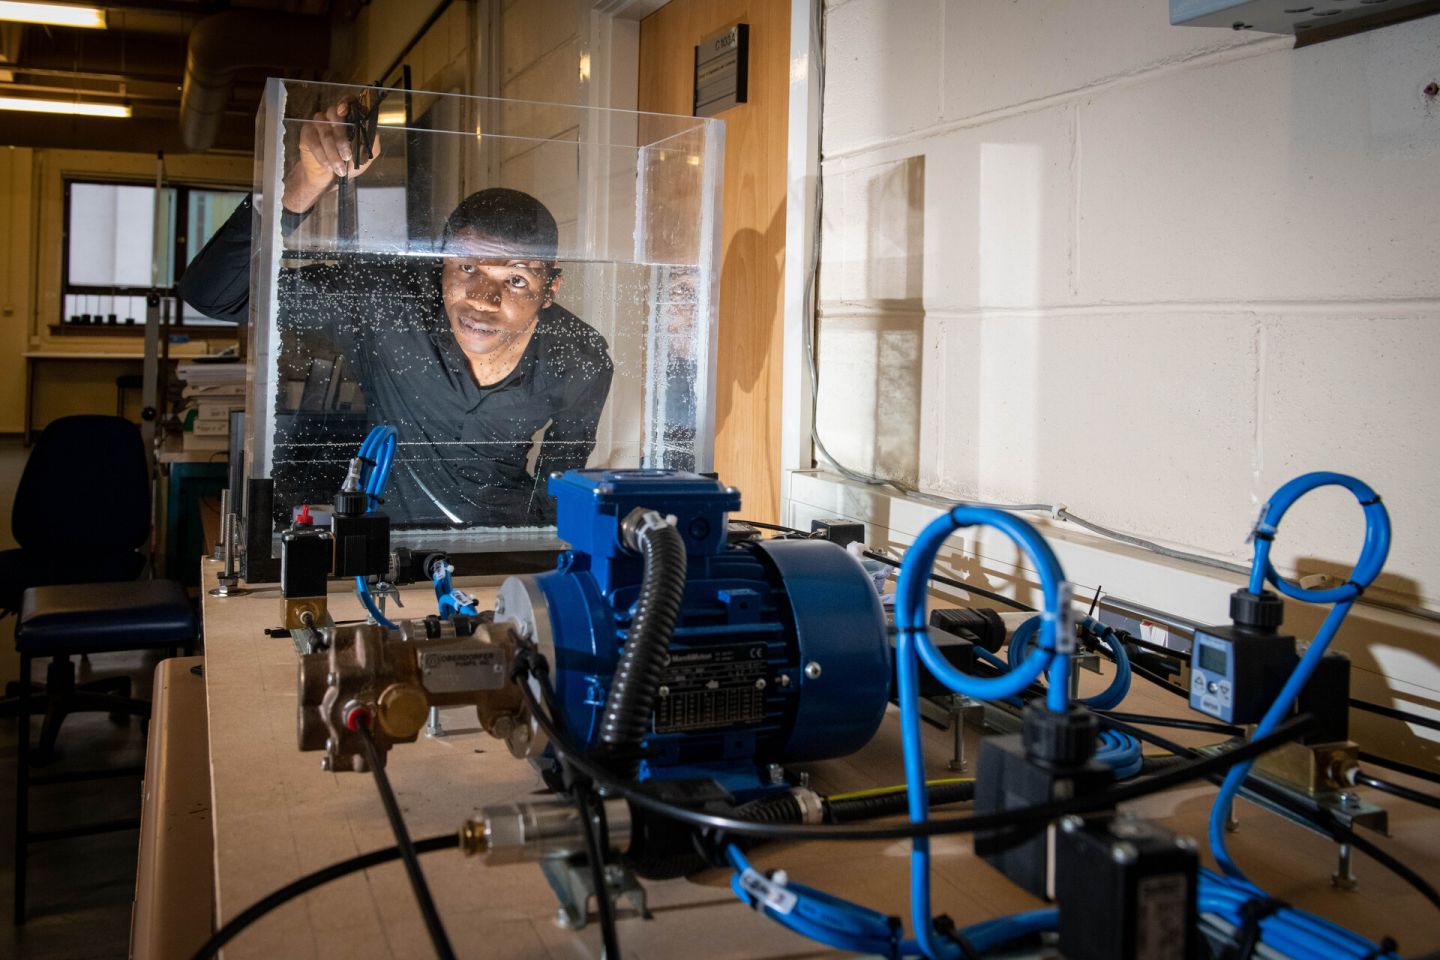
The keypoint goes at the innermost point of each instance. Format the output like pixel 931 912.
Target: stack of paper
pixel 211 391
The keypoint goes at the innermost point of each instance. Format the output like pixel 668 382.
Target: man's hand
pixel 325 154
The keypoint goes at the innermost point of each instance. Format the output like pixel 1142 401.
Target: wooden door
pixel 747 412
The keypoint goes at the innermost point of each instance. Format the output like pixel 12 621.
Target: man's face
pixel 491 299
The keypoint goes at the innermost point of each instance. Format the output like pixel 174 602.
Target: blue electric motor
pixel 779 652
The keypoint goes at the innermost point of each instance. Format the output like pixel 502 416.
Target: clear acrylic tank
pixel 356 319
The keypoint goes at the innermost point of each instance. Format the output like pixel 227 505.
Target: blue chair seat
pixel 101 617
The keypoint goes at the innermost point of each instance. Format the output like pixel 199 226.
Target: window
pixel 110 242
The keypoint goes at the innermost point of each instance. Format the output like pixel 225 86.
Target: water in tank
pixel 514 287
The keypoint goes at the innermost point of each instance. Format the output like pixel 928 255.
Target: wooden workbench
pixel 277 816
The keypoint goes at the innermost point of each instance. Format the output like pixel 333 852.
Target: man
pixel 489 383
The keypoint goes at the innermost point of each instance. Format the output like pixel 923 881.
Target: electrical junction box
pixel 1298 17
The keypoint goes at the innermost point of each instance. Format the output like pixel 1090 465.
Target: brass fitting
pixel 397 676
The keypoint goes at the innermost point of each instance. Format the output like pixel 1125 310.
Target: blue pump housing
pixel 779 654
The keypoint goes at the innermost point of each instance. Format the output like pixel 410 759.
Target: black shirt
pixel 467 454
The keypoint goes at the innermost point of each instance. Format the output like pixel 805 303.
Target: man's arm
pixel 569 441
pixel 217 281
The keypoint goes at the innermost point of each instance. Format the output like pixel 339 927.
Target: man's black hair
pixel 520 223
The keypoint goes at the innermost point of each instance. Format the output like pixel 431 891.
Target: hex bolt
pixel 664 691
pixel 1187 844
pixel 784 679
pixel 1350 799
pixel 760 683
pixel 327 764
pixel 812 670
pixel 1071 823
pixel 1124 852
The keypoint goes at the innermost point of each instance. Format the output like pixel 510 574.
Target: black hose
pixel 1400 767
pixel 318 878
pixel 897 802
pixel 408 854
pixel 637 676
pixel 1179 723
pixel 1403 715
pixel 1404 793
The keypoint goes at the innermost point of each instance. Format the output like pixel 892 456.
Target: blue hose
pixel 377 453
pixel 1120 751
pixel 1295 933
pixel 912 642
pixel 818 915
pixel 1367 568
pixel 989 934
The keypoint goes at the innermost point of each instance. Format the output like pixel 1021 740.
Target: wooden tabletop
pixel 278 816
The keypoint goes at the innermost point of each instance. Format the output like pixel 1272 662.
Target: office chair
pixel 82 518
pixel 82 509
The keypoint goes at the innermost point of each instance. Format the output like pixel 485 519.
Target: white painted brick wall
pixel 1160 269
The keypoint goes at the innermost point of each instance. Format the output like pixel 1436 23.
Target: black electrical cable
pixel 1159 681
pixel 408 853
pixel 1157 648
pixel 1179 723
pixel 777 527
pixel 1321 821
pixel 604 905
pixel 1394 714
pixel 1405 793
pixel 1399 766
pixel 958 584
pixel 302 886
pixel 1039 813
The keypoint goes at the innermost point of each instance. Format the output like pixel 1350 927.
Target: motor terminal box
pixel 1236 672
pixel 1126 889
pixel 1008 778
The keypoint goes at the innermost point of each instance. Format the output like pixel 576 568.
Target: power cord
pixel 359 721
pixel 298 888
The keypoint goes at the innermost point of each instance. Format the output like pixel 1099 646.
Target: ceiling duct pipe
pixel 226 43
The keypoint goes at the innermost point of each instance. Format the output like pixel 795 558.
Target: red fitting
pixel 355 717
pixel 304 519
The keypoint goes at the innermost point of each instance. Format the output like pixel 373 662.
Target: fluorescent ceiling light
pixel 81 108
pixel 53 14
pixel 392 118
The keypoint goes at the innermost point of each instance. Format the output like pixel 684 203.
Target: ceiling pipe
pixel 223 45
